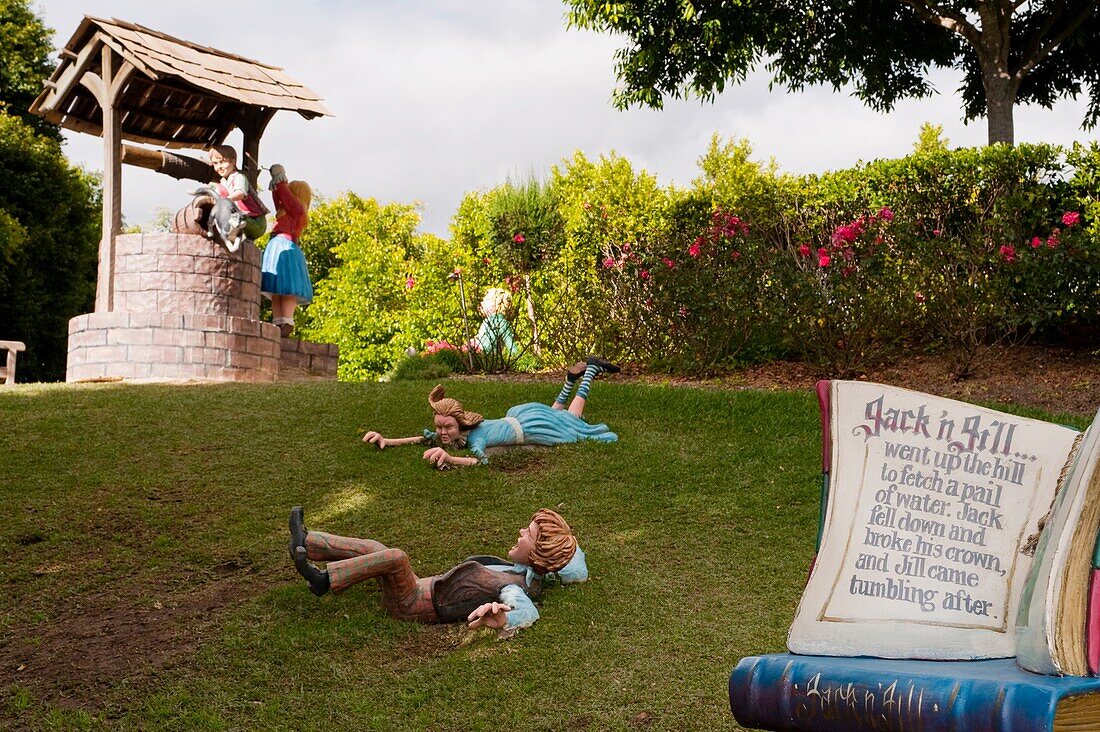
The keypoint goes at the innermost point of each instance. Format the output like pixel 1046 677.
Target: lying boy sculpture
pixel 484 591
pixel 532 423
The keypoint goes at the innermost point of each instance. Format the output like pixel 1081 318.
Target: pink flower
pixel 608 262
pixel 626 247
pixel 918 296
pixel 486 260
pixel 586 205
pixel 1071 218
pixel 1036 242
pixel 849 254
pixel 695 247
pixel 823 257
pixel 936 232
pixel 518 239
pixel 1008 252
pixel 668 262
pixel 735 255
pixel 886 214
pixel 804 250
pixel 684 311
pixel 410 282
pixel 644 274
pixel 1053 240
pixel 847 271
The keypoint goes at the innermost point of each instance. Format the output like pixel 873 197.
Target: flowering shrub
pixel 944 249
pixel 837 298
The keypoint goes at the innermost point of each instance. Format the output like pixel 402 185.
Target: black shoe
pixel 575 372
pixel 605 366
pixel 298 531
pixel 317 579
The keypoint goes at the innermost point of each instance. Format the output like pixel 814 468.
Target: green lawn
pixel 147 583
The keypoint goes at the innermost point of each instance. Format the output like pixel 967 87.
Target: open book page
pixel 1052 618
pixel 930 501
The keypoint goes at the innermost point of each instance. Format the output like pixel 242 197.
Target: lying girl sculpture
pixel 524 424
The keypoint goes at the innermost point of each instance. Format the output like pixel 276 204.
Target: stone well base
pixel 302 360
pixel 160 347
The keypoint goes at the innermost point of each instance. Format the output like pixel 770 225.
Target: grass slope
pixel 123 502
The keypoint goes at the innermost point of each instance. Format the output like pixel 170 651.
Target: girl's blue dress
pixel 533 423
pixel 284 270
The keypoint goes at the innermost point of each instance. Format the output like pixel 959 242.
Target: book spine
pixel 789 693
pixel 1092 631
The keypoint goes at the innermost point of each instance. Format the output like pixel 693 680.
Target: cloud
pixel 434 99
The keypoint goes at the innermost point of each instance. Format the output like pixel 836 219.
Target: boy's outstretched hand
pixel 490 615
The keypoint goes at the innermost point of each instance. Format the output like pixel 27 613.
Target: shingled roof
pixel 181 94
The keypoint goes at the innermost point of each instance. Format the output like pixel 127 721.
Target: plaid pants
pixel 351 560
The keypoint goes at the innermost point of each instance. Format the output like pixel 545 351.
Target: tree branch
pixel 1070 28
pixel 952 20
pixel 1041 33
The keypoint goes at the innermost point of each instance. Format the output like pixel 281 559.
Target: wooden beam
pixel 253 124
pixel 112 173
pixel 72 75
pixel 177 166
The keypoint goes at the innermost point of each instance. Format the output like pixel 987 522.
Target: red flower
pixel 735 255
pixel 936 232
pixel 518 239
pixel 823 257
pixel 668 262
pixel 608 262
pixel 684 312
pixel 918 296
pixel 1036 242
pixel 1053 240
pixel 586 205
pixel 626 247
pixel 644 274
pixel 847 271
pixel 886 214
pixel 1071 218
pixel 849 254
pixel 804 250
pixel 410 282
pixel 486 260
pixel 1008 252
pixel 693 250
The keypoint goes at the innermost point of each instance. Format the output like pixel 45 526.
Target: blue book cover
pixel 792 692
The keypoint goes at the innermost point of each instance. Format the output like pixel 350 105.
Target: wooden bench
pixel 7 371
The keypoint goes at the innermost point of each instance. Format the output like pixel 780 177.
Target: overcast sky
pixel 434 98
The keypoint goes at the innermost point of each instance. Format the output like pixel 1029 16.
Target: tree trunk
pixel 993 56
pixel 1000 97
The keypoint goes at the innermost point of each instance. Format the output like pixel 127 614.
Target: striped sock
pixel 590 373
pixel 563 395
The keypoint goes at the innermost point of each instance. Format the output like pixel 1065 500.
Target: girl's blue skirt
pixel 284 270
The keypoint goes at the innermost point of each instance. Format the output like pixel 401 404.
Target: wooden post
pixel 106 87
pixel 253 123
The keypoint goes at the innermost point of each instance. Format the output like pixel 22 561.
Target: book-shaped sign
pixel 930 504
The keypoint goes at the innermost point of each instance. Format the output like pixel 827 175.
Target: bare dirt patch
pixel 74 660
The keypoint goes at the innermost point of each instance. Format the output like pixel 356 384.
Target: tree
pixel 25 49
pixel 49 234
pixel 1010 51
pixel 49 211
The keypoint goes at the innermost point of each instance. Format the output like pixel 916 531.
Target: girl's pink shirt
pixel 293 220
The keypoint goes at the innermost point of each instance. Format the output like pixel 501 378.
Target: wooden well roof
pixel 180 95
